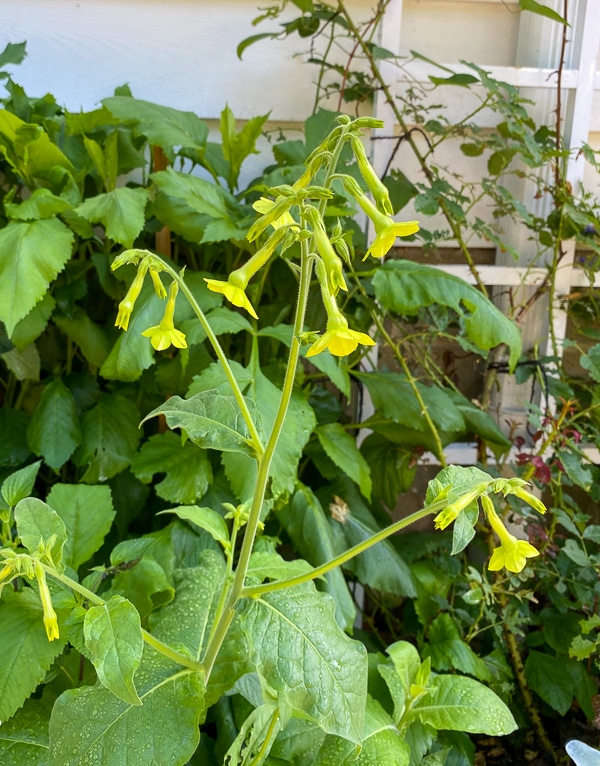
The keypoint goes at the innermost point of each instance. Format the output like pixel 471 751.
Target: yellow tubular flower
pixel 128 302
pixel 233 293
pixel 333 267
pixel 50 620
pixel 512 554
pixel 376 186
pixel 159 288
pixel 264 206
pixel 451 511
pixel 164 334
pixel 340 340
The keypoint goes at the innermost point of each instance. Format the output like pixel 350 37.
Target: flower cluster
pixel 512 553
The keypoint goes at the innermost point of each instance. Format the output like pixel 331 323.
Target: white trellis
pixel 539 43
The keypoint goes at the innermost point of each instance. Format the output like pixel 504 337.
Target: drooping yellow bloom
pixel 264 206
pixel 334 274
pixel 450 513
pixel 339 339
pixel 233 293
pixel 128 302
pixel 164 334
pixel 385 227
pixel 376 186
pixel 50 619
pixel 159 288
pixel 512 554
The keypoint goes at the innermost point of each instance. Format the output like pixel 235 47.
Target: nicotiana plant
pixel 199 642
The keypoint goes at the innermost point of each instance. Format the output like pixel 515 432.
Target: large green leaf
pixel 200 196
pixel 187 468
pixel 31 255
pixel 75 504
pixel 301 652
pixel 382 744
pixel 120 211
pixel 163 126
pixel 341 448
pixel 546 675
pixel 305 522
pixel 448 650
pixel 144 583
pixel 37 522
pixel 298 425
pixel 19 484
pixel 25 653
pixel 394 397
pixel 463 704
pixel 405 287
pixel 110 437
pixel 24 738
pixel 54 430
pixel 114 643
pixel 90 337
pixel 31 327
pixel 237 146
pixel 381 566
pixel 188 619
pixel 90 726
pixel 211 420
pixel 204 518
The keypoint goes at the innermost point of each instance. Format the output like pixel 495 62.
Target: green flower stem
pixel 258 590
pixel 155 643
pixel 223 621
pixel 239 397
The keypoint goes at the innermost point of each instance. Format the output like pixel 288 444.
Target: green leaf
pixel 305 522
pixel 205 518
pixel 163 126
pixel 187 468
pixel 393 396
pixel 27 656
pixel 381 566
pixel 211 420
pixel 37 522
pixel 320 673
pixel 24 738
pixel 237 146
pixel 145 585
pixel 13 442
pixel 113 638
pixel 541 10
pixel 199 195
pixel 405 287
pixel 14 53
pixel 591 362
pixel 39 250
pixel 120 211
pixel 341 448
pixel 255 737
pixel 382 743
pixel 480 423
pixel 265 565
pixel 448 651
pixel 463 704
pixel 90 337
pixel 188 619
pixel 32 326
pixel 19 485
pixel 41 204
pixel 90 725
pixel 464 80
pixel 393 467
pixel 24 364
pixel 575 468
pixel 54 430
pixel 336 370
pixel 546 676
pixel 299 423
pixel 75 503
pixel 110 437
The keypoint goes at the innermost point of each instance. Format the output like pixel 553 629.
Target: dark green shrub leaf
pixel 19 485
pixel 90 337
pixel 448 651
pixel 75 503
pixel 546 676
pixel 54 431
pixel 110 437
pixel 27 657
pixel 188 470
pixel 13 440
pixel 341 448
pixel 40 250
pixel 405 287
pixel 120 211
